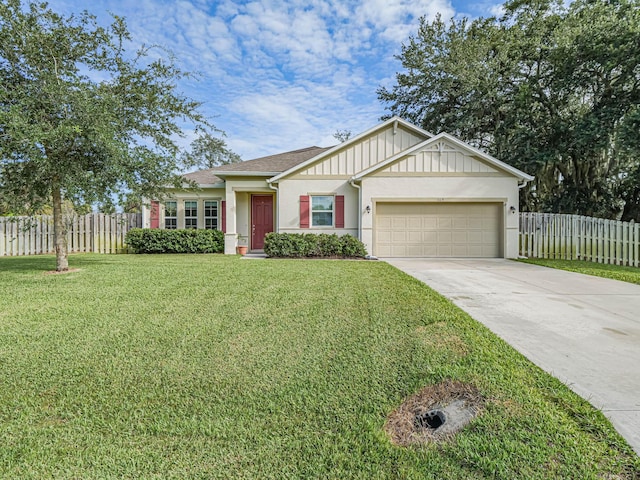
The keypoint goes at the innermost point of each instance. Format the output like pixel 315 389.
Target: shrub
pixel 311 245
pixel 154 240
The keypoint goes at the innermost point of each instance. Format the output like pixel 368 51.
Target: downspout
pixel 352 182
pixel 277 205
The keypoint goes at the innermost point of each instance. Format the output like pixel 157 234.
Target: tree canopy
pixel 208 151
pixel 554 91
pixel 82 117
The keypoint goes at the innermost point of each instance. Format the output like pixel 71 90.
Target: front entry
pixel 261 219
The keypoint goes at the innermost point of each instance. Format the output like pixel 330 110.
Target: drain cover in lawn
pixel 434 413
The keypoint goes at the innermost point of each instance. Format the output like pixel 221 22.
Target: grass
pixel 615 272
pixel 160 367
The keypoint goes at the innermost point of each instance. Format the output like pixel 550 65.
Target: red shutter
pixel 339 205
pixel 304 211
pixel 154 217
pixel 223 216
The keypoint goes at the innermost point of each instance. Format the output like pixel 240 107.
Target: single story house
pixel 400 189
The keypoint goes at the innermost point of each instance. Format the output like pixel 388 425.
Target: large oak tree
pixel 82 118
pixel 550 89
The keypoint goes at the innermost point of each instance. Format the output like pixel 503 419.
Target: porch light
pixel 368 209
pixel 512 209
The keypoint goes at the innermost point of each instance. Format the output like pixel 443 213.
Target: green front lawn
pixel 215 367
pixel 616 272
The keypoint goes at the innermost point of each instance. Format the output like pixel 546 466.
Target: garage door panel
pixel 399 223
pixel 399 251
pixel 413 251
pixel 475 223
pixel 460 236
pixel 384 222
pixel 476 237
pixel 429 223
pixel 430 237
pixel 444 222
pixel 460 223
pixel 476 251
pixel 414 222
pixel 384 237
pixel 399 237
pixel 414 237
pixel 438 230
pixel 445 237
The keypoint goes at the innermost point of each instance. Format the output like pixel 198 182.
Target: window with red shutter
pixel 304 211
pixel 339 206
pixel 154 216
pixel 223 216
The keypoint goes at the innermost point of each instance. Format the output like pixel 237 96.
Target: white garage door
pixel 438 230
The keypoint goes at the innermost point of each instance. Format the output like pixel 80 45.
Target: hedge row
pixel 299 245
pixel 154 240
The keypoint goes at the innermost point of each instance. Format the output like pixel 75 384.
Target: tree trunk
pixel 59 230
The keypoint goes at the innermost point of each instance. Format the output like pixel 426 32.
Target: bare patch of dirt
pixel 459 402
pixel 55 272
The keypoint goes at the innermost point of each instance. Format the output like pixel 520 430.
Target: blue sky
pixel 277 75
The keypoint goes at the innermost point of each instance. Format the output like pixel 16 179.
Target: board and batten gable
pixel 366 153
pixel 441 158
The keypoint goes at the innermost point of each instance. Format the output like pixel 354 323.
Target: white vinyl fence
pixel 574 237
pixel 92 233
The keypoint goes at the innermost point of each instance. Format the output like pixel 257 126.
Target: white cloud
pixel 279 74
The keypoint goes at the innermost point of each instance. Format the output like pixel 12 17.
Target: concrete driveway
pixel 584 330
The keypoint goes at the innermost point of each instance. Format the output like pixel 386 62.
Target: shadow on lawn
pixel 45 263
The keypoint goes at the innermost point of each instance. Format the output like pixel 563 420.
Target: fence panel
pixel 92 233
pixel 575 237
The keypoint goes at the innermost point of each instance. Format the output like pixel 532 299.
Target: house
pixel 400 189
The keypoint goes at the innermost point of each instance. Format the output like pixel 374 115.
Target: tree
pixel 342 135
pixel 548 89
pixel 81 118
pixel 208 151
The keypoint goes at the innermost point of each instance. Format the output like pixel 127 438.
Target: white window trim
pixel 333 210
pixel 170 217
pixel 216 217
pixel 190 217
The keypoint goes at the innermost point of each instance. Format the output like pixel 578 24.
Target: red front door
pixel 261 219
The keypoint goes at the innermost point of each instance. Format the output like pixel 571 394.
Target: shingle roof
pixel 273 163
pixel 270 164
pixel 203 177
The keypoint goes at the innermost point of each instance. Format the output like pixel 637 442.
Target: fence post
pixel 3 236
pixel 636 243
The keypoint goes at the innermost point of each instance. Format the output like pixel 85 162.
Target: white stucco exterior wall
pixel 290 191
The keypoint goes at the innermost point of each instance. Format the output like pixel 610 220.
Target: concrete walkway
pixel 584 330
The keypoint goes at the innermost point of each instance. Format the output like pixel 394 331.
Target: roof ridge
pixel 305 149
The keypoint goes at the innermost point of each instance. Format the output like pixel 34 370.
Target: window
pixel 171 215
pixel 190 214
pixel 322 211
pixel 211 214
